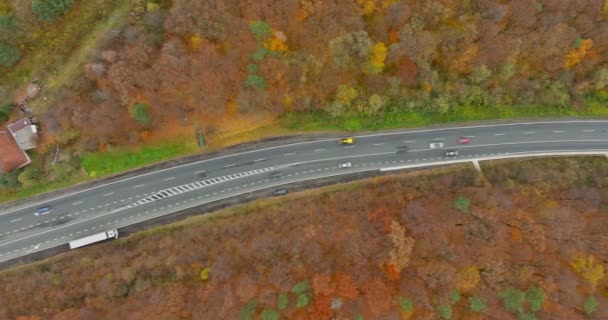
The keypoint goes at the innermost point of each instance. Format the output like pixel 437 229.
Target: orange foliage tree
pixel 576 55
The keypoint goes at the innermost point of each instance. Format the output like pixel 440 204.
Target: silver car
pixel 345 165
pixel 436 145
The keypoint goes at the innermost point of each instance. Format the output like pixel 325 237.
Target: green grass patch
pixel 248 310
pixel 395 116
pixel 104 163
pixel 590 305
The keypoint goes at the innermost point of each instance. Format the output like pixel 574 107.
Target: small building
pixel 25 133
pixel 21 135
pixel 11 155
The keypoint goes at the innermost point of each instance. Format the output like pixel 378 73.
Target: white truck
pixel 94 238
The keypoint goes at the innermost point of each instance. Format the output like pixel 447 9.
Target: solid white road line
pixel 522 142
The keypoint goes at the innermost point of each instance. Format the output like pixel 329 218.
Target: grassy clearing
pixel 105 163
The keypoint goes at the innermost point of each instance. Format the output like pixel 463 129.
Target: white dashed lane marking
pixel 499 134
pixel 77 202
pixel 379 144
pixel 319 150
pixel 137 186
pixel 588 130
pixel 530 132
pixel 16 220
pixel 108 194
pixel 170 178
pixel 289 154
pixel 558 131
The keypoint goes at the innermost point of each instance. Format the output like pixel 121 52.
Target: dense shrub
pixel 49 10
pixel 9 55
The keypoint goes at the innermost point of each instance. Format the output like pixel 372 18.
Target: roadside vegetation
pixel 134 74
pixel 523 241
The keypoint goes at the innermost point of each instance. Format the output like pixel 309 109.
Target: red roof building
pixel 11 155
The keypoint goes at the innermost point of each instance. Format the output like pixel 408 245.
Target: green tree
pixel 302 301
pixel 268 314
pixel 255 81
pixel 590 305
pixel 513 299
pixel 282 301
pixel 445 311
pixel 49 10
pixel 9 22
pixel 477 304
pixel 454 296
pixel 260 29
pixel 535 298
pixel 301 287
pixel 248 310
pixel 140 113
pixel 462 204
pixel 9 55
pixel 406 304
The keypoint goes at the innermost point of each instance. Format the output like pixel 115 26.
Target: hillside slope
pixel 526 241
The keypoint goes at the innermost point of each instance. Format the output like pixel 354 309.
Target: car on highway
pixel 345 165
pixel 280 192
pixel 42 211
pixel 347 141
pixel 436 145
pixel 451 153
pixel 399 149
pixel 463 140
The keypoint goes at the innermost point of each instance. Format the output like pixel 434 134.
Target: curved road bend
pixel 161 192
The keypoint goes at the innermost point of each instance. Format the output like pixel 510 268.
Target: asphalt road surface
pixel 146 196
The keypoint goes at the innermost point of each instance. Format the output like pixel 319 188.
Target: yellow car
pixel 347 141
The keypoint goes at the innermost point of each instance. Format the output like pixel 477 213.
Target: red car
pixel 463 140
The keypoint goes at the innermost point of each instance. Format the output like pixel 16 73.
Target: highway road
pixel 146 196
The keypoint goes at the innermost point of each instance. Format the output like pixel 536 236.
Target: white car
pixel 436 145
pixel 345 165
pixel 451 153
